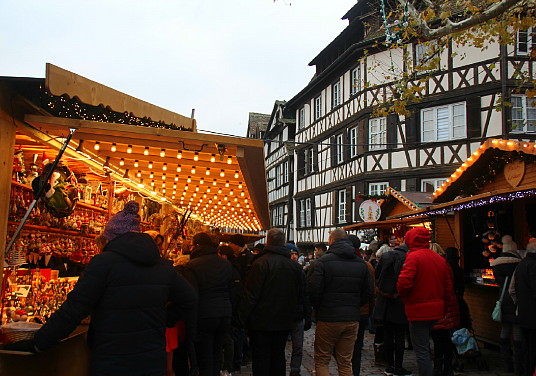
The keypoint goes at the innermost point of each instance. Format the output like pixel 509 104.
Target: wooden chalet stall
pixel 398 203
pixel 493 193
pixel 131 149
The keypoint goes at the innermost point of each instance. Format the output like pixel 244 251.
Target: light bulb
pixel 136 163
pixel 164 177
pixel 146 151
pixel 201 181
pixel 196 156
pixel 152 183
pixel 236 174
pixel 189 180
pixel 227 184
pixel 222 173
pixel 164 167
pixel 179 168
pixel 163 153
pixel 121 162
pixel 179 154
pixel 114 147
pixel 97 145
pixel 193 169
pixel 208 171
pixel 151 175
pixel 229 159
pixel 214 182
pixel 240 185
pixel 129 149
pixel 150 165
pixel 138 174
pixel 176 177
pixel 213 158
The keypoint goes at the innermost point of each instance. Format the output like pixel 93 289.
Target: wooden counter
pixel 481 301
pixel 68 358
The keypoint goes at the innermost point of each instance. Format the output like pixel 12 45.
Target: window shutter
pixel 301 163
pixel 333 150
pixel 349 203
pixel 315 159
pixel 474 126
pixel 412 128
pixel 395 184
pixel 392 121
pixel 346 147
pixel 362 136
pixel 411 185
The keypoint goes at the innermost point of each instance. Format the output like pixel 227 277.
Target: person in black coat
pixel 389 308
pixel 131 294
pixel 273 292
pixel 503 270
pixel 339 286
pixel 525 295
pixel 211 277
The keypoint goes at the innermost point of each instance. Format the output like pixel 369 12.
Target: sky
pixel 222 58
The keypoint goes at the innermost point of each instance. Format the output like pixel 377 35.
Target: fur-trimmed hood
pixel 511 257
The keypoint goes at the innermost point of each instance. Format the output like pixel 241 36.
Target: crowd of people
pixel 220 305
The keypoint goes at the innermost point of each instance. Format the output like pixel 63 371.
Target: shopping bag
pixel 464 341
pixel 496 315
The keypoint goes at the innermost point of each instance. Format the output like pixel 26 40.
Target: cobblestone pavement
pixel 368 368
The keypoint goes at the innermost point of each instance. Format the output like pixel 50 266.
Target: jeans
pixel 209 347
pixel 268 351
pixel 340 336
pixel 394 343
pixel 297 346
pixel 420 337
pixel 358 346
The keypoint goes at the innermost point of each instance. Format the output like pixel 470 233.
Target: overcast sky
pixel 224 58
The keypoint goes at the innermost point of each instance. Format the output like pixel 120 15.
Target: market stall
pixel 396 203
pixel 90 149
pixel 490 195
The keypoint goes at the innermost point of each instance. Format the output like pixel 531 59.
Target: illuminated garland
pixel 394 36
pixel 495 166
pixel 65 107
pixel 507 197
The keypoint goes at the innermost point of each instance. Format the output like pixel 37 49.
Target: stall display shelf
pixel 52 230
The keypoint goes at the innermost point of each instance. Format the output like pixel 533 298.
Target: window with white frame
pixel 308 213
pixel 301 124
pixel 377 189
pixel 285 172
pixel 277 176
pixel 339 148
pixel 430 185
pixel 305 213
pixel 353 142
pixel 377 133
pixel 526 41
pixel 318 107
pixel 523 114
pixel 280 215
pixel 336 94
pixel 425 54
pixel 341 206
pixel 308 161
pixel 443 123
pixel 355 83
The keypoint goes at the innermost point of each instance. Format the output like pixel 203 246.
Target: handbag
pixel 496 315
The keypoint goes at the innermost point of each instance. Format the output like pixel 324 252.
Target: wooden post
pixel 7 146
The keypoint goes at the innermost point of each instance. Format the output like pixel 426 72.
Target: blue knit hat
pixel 124 221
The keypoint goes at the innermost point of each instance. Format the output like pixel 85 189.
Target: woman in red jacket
pixel 424 284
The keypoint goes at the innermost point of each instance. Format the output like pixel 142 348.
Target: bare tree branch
pixel 450 26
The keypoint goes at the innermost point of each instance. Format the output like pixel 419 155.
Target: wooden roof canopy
pixel 469 185
pixel 222 179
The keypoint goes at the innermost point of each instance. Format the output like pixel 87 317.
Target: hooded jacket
pixel 274 289
pixel 340 284
pixel 126 289
pixel 504 266
pixel 389 306
pixel 212 278
pixel 424 282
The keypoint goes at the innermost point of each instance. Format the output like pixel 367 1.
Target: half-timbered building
pixel 344 151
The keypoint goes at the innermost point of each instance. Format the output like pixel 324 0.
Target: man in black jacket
pixel 211 276
pixel 126 289
pixel 274 288
pixel 340 284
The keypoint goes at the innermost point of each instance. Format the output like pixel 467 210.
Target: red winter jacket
pixel 424 280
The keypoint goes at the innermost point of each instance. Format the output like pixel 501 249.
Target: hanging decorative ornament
pixel 60 193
